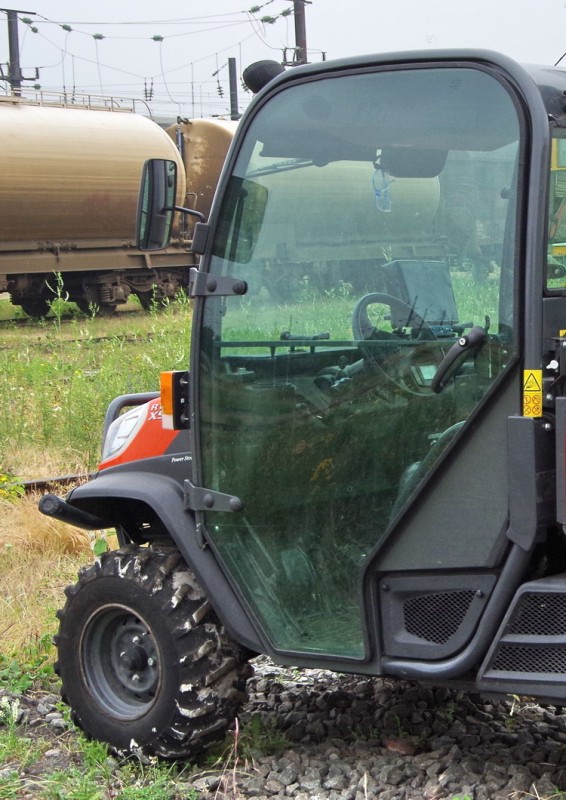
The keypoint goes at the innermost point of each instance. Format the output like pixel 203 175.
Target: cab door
pixel 355 398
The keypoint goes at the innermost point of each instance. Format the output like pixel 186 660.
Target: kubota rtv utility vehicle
pixel 368 472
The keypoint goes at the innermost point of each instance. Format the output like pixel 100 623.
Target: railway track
pixel 48 484
pixel 22 322
pixel 116 337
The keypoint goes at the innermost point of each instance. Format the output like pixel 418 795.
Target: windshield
pixel 372 217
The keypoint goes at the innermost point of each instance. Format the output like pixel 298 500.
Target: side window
pixel 556 253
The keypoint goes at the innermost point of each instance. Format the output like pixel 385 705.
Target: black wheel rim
pixel 147 299
pixel 121 662
pixel 36 308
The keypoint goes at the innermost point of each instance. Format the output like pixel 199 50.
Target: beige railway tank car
pixel 69 182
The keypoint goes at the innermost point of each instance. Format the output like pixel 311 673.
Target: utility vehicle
pixel 365 467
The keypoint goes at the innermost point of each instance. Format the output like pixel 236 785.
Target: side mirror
pixel 156 206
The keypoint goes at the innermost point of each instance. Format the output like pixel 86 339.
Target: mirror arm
pixel 191 211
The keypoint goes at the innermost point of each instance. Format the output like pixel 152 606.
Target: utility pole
pixel 15 76
pixel 234 113
pixel 300 32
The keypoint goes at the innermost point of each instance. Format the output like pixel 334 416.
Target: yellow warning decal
pixel 532 393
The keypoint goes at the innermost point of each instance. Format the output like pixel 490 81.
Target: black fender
pixel 115 495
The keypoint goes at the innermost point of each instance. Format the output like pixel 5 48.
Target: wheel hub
pixel 120 661
pixel 136 658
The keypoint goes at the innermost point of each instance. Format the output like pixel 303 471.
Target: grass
pixel 39 557
pixel 93 774
pixel 58 377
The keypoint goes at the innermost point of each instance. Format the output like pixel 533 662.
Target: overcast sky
pixel 185 72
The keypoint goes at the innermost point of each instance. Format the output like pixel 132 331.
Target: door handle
pixel 471 342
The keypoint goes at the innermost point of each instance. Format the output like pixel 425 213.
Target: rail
pixel 46 484
pixel 75 100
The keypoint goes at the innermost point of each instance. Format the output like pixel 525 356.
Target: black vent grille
pixel 516 658
pixel 540 614
pixel 436 617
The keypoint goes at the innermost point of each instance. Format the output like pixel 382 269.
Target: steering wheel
pixel 393 362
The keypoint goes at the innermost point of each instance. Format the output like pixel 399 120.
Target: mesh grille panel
pixel 515 658
pixel 436 617
pixel 540 614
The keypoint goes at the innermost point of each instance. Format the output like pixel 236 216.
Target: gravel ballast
pixel 340 737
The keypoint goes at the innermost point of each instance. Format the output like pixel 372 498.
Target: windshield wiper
pixel 281 166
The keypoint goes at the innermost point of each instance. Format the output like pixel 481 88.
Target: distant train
pixel 69 182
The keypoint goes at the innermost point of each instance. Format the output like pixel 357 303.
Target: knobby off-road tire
pixel 144 662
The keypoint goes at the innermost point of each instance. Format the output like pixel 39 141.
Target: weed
pixel 257 738
pixel 392 723
pixel 100 543
pixel 341 289
pixel 10 786
pixel 14 677
pixel 15 748
pixel 448 711
pixel 9 710
pixel 131 779
pixel 93 310
pixel 32 668
pixel 260 736
pixel 511 723
pixel 60 298
pixel 11 488
pixel 153 782
pixel 94 775
pixel 94 753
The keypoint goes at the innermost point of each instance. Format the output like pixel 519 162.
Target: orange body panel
pixel 152 439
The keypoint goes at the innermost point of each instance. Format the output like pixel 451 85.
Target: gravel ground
pixel 351 738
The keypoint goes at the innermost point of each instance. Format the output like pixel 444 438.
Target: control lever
pixel 471 342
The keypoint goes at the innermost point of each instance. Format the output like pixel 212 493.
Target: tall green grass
pixel 58 376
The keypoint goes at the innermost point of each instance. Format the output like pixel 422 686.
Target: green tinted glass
pixel 372 218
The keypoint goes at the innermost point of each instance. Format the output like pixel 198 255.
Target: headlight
pixel 123 430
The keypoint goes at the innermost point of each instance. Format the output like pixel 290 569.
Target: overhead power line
pixel 259 18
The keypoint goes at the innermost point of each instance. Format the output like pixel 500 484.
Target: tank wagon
pixel 69 179
pixel 203 144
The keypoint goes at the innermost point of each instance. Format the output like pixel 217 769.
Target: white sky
pixel 190 64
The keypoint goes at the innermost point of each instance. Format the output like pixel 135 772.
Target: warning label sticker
pixel 532 393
